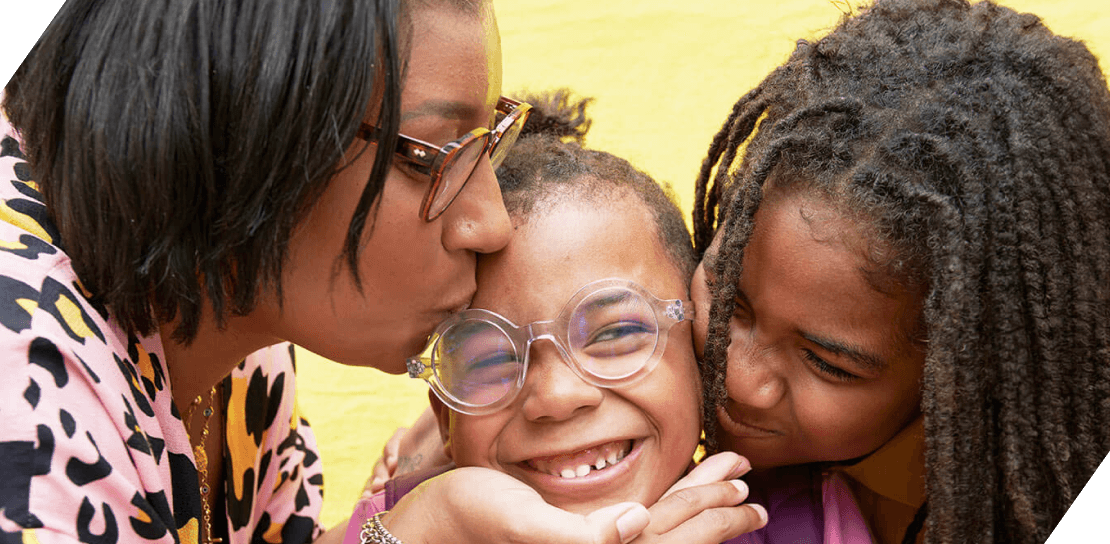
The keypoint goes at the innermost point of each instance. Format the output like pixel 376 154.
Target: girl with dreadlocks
pixel 907 270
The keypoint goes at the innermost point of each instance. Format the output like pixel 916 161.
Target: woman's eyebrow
pixel 861 356
pixel 447 109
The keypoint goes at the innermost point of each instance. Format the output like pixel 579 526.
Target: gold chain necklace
pixel 201 456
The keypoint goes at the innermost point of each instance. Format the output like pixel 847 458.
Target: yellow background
pixel 664 74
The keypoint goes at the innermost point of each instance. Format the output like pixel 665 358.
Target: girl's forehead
pixel 564 247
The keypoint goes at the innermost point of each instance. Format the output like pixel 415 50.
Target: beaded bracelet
pixel 373 532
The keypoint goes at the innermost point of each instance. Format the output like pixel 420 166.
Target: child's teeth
pixel 574 465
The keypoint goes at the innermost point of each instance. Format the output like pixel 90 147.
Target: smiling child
pixel 583 446
pixel 574 371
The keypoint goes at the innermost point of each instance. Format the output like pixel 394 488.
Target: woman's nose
pixel 754 378
pixel 552 390
pixel 477 220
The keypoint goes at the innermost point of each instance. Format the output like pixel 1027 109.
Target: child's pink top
pixel 843 521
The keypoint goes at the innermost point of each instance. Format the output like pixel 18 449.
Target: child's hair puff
pixel 549 165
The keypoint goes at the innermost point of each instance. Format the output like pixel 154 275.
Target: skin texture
pixel 796 393
pixel 414 273
pixel 547 261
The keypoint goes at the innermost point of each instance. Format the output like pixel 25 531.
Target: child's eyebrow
pixel 604 301
pixel 869 360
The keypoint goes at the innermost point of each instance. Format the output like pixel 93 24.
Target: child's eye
pixel 742 311
pixel 620 339
pixel 493 370
pixel 825 368
pixel 490 361
pixel 617 331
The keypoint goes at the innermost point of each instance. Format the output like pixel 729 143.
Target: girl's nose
pixel 552 391
pixel 753 377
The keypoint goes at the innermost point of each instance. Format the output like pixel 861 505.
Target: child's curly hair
pixel 976 143
pixel 549 164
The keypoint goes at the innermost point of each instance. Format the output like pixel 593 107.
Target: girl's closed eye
pixel 827 369
pixel 619 330
pixel 743 311
pixel 620 338
pixel 485 378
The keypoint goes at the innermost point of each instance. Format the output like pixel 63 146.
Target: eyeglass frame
pixel 432 160
pixel 668 313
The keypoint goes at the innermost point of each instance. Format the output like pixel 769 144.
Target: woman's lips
pixel 734 423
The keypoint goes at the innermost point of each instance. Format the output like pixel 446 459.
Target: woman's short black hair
pixel 178 143
pixel 975 146
pixel 549 165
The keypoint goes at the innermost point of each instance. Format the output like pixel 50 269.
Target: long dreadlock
pixel 976 143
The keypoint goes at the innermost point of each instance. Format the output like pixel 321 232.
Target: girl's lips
pixel 734 424
pixel 582 462
pixel 547 475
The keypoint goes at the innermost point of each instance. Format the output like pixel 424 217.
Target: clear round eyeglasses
pixel 449 167
pixel 611 332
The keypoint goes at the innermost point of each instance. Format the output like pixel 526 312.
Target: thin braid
pixel 940 395
pixel 741 128
pixel 705 205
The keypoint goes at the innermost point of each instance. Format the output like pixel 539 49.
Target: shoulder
pixel 37 280
pixel 86 414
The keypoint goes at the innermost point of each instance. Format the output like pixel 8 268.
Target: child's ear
pixel 443 417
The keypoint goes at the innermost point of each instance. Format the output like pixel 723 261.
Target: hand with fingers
pixel 480 505
pixel 705 506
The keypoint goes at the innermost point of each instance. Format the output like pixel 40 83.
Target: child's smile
pixel 582 463
pixel 569 476
pixel 583 446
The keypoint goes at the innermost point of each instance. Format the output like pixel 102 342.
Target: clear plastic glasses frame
pixel 449 167
pixel 618 305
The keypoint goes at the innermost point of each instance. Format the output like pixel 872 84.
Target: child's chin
pixel 584 507
pixel 581 506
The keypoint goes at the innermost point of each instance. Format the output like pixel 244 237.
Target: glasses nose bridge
pixel 546 330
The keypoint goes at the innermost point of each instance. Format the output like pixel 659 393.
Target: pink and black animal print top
pixel 92 448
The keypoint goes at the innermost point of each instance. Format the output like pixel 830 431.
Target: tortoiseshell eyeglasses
pixel 449 167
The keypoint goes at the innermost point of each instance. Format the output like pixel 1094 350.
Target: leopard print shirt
pixel 92 447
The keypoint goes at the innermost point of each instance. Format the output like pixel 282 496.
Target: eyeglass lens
pixel 455 173
pixel 611 334
pixel 465 160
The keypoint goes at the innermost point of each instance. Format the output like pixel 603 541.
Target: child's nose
pixel 552 391
pixel 753 377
